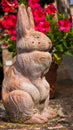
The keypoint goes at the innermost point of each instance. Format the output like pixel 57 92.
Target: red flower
pixel 32 3
pixel 13 38
pixel 71 19
pixel 0 35
pixel 43 26
pixel 9 24
pixel 51 9
pixel 38 13
pixel 65 25
pixel 9 21
pixel 9 6
pixel 12 32
pixel 5 45
pixel 1 23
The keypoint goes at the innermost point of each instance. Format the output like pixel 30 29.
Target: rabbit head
pixel 27 38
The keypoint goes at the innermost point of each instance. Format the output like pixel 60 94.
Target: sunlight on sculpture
pixel 25 91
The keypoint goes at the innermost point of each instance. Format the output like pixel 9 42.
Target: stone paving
pixel 63 102
pixel 68 63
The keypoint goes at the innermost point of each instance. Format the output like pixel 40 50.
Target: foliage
pixel 58 29
pixel 61 35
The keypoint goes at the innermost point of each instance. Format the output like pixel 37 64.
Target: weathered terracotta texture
pixel 25 91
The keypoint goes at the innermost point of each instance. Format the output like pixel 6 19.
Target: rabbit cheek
pixel 44 43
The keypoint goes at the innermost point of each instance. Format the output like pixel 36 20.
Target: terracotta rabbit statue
pixel 25 91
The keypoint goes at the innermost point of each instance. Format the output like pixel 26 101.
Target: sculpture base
pixel 37 118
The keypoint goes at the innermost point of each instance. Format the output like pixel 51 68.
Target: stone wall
pixel 71 8
pixel 63 6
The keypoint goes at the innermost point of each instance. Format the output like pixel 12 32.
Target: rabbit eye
pixel 38 42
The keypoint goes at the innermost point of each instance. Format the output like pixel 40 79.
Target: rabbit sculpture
pixel 25 91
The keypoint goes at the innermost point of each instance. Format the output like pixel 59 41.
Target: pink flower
pixel 65 25
pixel 32 3
pixel 9 6
pixel 43 26
pixel 13 38
pixel 51 9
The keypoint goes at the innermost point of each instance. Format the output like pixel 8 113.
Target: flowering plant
pixel 58 29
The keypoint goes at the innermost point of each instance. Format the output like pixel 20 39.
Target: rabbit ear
pixel 22 26
pixel 31 20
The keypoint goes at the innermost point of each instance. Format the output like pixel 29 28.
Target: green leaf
pixel 69 53
pixel 60 48
pixel 62 16
pixel 23 1
pixel 57 58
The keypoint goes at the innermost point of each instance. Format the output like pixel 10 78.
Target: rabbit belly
pixel 35 63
